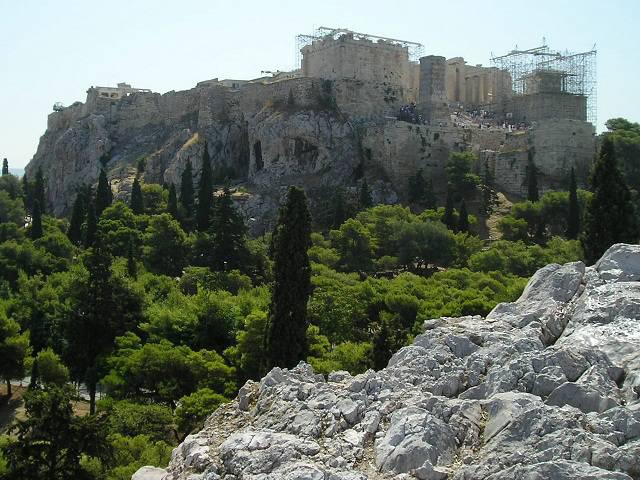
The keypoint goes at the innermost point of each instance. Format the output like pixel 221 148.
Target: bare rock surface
pixel 545 387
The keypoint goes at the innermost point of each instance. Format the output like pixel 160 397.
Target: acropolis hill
pixel 359 106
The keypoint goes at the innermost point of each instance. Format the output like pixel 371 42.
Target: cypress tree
pixel 137 200
pixel 285 341
pixel 229 235
pixel 172 203
pixel 5 167
pixel 339 209
pixel 573 217
pixel 104 195
pixel 205 193
pixel 27 192
pixel 448 218
pixel 38 191
pixel 77 218
pixel 429 199
pixel 364 197
pixel 382 347
pixel 532 178
pixel 417 187
pixel 36 221
pixel 610 217
pixel 186 190
pixel 92 225
pixel 463 218
pixel 106 308
pixel 489 196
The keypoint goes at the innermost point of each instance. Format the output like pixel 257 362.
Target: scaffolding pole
pixel 578 69
pixel 415 50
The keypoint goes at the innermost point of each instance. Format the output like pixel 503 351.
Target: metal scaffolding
pixel 415 50
pixel 578 69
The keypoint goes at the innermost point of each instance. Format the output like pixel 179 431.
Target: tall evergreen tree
pixel 38 191
pixel 417 187
pixel 364 197
pixel 205 193
pixel 429 198
pixel 137 200
pixel 27 192
pixel 610 217
pixel 92 224
pixel 285 340
pixel 172 203
pixel 5 167
pixel 339 209
pixel 36 221
pixel 78 214
pixel 104 195
pixel 532 178
pixel 382 346
pixel 489 195
pixel 229 235
pixel 448 218
pixel 573 217
pixel 104 309
pixel 186 190
pixel 421 190
pixel 463 218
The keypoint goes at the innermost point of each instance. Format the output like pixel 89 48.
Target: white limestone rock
pixel 149 473
pixel 544 387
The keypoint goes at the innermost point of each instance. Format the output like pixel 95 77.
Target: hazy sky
pixel 53 50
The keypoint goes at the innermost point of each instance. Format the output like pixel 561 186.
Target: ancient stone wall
pixel 557 146
pixel 542 106
pixel 433 97
pixel 378 62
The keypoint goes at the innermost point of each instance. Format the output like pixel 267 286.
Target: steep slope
pixel 545 387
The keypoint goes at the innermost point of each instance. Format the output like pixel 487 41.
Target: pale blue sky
pixel 53 50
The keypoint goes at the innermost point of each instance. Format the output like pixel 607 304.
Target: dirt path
pixel 502 209
pixel 11 409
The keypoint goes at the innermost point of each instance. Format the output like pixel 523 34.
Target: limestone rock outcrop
pixel 545 387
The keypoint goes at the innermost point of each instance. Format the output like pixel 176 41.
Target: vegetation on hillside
pixel 166 307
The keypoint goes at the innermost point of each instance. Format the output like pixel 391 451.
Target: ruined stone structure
pixel 115 93
pixel 476 85
pixel 327 125
pixel 432 95
pixel 546 97
pixel 353 56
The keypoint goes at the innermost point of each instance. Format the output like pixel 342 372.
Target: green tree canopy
pixel 166 247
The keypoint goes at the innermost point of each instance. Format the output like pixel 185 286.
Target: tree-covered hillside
pixel 156 312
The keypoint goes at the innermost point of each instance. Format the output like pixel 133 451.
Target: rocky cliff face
pixel 310 132
pixel 542 388
pixel 297 131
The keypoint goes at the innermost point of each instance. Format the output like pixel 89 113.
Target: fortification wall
pixel 399 149
pixel 543 106
pixel 433 97
pixel 557 146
